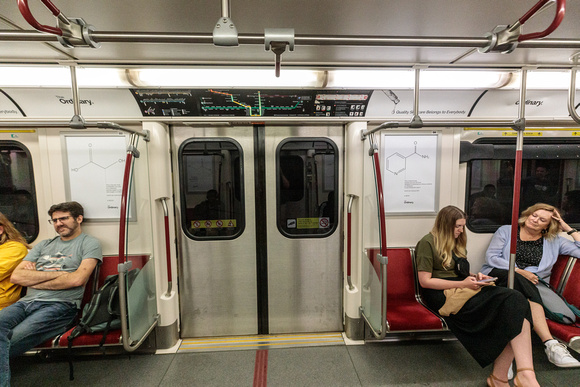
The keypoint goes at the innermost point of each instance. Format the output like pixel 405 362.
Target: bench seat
pixel 405 311
pixel 566 278
pixel 87 340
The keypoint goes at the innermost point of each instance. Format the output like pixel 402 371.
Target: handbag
pixel 556 307
pixel 461 266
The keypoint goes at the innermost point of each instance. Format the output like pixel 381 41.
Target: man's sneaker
pixel 559 355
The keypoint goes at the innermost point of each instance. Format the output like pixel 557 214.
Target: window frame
pixel 504 148
pixel 183 188
pixel 336 155
pixel 21 146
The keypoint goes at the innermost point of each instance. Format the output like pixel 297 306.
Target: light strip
pixel 234 77
pixel 542 80
pixel 104 77
pixel 429 79
pixel 35 76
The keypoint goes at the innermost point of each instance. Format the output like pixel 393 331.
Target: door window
pixel 307 181
pixel 211 188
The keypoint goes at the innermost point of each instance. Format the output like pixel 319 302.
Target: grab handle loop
pixel 560 12
pixel 25 11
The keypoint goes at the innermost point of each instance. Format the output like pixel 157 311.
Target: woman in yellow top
pixel 13 248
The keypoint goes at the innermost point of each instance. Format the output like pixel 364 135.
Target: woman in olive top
pixel 13 248
pixel 491 322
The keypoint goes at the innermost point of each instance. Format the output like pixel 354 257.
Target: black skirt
pixel 521 284
pixel 487 322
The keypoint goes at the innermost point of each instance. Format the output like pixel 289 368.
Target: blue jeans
pixel 25 324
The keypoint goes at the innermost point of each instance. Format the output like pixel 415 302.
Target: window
pixel 17 192
pixel 211 189
pixel 550 174
pixel 307 181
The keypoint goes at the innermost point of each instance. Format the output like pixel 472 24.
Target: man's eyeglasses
pixel 55 220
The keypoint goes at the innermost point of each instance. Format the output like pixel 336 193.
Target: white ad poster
pixel 95 168
pixel 409 164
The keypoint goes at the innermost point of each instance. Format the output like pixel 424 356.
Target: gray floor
pixel 416 363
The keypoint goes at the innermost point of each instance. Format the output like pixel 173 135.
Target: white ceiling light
pixel 371 79
pixel 542 80
pixel 101 77
pixel 428 79
pixel 96 77
pixel 463 79
pixel 231 77
pixel 34 77
pixel 38 76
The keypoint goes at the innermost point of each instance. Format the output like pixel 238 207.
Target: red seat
pixel 558 271
pixel 569 334
pixel 404 310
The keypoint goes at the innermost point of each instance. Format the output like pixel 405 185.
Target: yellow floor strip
pixel 232 343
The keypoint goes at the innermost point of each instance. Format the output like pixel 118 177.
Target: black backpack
pixel 103 312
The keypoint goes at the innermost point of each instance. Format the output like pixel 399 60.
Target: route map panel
pixel 252 103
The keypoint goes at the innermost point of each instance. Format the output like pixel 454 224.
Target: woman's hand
pixel 529 276
pixel 481 276
pixel 563 225
pixel 471 282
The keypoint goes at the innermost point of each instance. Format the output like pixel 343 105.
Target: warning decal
pixel 219 223
pixel 303 223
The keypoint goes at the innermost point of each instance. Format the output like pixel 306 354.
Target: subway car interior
pixel 265 170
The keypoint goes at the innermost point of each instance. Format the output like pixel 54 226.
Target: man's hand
pixel 29 265
pixel 26 274
pixel 68 280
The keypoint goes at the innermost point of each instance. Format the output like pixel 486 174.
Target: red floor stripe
pixel 261 368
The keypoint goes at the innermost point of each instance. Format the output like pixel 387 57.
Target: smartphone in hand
pixel 488 280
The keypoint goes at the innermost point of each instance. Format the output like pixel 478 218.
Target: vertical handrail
pixel 163 201
pixel 349 241
pixel 382 255
pixel 131 151
pixel 517 180
pixel 125 266
pixel 572 96
pixel 77 121
pixel 381 203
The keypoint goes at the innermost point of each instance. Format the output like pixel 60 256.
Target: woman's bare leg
pixel 540 324
pixel 521 345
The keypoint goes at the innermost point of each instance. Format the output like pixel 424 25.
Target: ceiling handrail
pixel 71 32
pixel 25 11
pixel 560 12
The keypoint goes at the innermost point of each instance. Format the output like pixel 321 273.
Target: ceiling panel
pixel 419 18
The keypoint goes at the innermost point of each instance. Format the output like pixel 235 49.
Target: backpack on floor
pixel 102 313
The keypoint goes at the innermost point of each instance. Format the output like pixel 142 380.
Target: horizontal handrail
pixel 306 40
pixel 50 122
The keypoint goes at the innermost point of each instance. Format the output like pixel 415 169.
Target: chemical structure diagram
pixel 90 146
pixel 397 163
